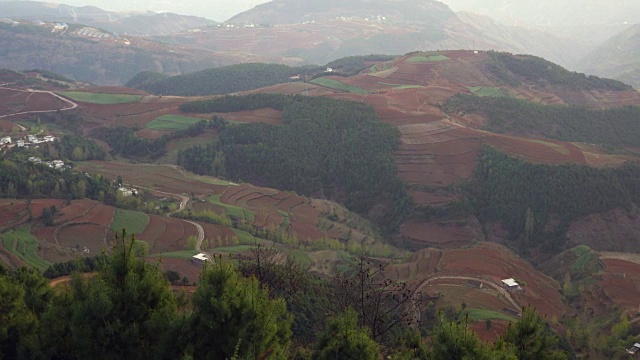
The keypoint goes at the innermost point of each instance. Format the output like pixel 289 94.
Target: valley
pixel 438 158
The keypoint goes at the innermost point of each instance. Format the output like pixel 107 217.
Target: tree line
pixel 127 310
pixel 24 179
pixel 222 80
pixel 327 148
pixel 614 127
pixel 510 69
pixel 124 141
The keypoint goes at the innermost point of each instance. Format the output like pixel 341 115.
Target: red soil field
pixel 82 235
pixel 441 234
pixel 37 205
pixel 498 327
pixel 183 266
pixel 174 237
pixel 492 261
pixel 214 232
pixel 265 219
pixel 99 214
pixel 154 230
pixel 76 209
pixel 620 283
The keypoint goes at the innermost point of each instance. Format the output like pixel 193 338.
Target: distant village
pixel 34 141
pixel 30 140
pixel 62 28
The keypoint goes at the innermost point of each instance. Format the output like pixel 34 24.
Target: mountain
pixel 618 57
pixel 297 11
pixel 135 23
pixel 592 21
pixel 77 52
pixel 320 32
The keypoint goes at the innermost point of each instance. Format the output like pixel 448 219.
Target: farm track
pixel 492 285
pixel 184 199
pixel 72 104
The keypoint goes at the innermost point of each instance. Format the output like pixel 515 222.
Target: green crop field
pixel 486 91
pixel 105 99
pixel 184 254
pixel 333 84
pixel 231 210
pixel 133 221
pixel 233 249
pixel 481 314
pixel 22 244
pixel 401 86
pixel 172 123
pixel 433 58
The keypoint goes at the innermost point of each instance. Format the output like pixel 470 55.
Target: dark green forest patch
pixel 328 148
pixel 505 115
pixel 527 198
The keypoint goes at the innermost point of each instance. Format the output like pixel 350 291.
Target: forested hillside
pixel 616 127
pixel 327 148
pixel 536 203
pixel 224 80
pixel 127 310
pixel 515 69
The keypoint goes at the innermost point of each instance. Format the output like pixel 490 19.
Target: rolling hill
pixel 133 23
pixel 487 148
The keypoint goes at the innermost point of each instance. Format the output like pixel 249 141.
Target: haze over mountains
pixel 455 172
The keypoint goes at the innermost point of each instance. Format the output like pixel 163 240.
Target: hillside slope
pixel 618 57
pixel 135 23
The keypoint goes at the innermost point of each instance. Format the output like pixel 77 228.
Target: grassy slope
pixel 133 221
pixel 21 243
pixel 172 123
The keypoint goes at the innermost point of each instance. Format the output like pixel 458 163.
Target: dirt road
pixel 72 105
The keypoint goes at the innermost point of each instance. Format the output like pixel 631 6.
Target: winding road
pixel 184 199
pixel 72 105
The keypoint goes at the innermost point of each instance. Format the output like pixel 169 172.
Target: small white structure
pixel 634 350
pixel 126 192
pixel 329 69
pixel 5 140
pixel 35 160
pixel 199 259
pixel 510 284
pixel 20 143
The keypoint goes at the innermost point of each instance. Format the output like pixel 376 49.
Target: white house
pixel 20 143
pixel 5 140
pixel 634 350
pixel 199 259
pixel 126 192
pixel 510 284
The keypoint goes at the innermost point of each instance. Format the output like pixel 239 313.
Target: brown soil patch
pixel 620 283
pixel 76 209
pixel 79 236
pixel 442 234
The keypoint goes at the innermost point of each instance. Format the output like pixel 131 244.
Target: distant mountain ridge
pixel 297 11
pixel 617 58
pixel 135 23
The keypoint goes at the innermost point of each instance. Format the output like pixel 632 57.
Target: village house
pixel 5 140
pixel 199 259
pixel 634 350
pixel 126 192
pixel 511 285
